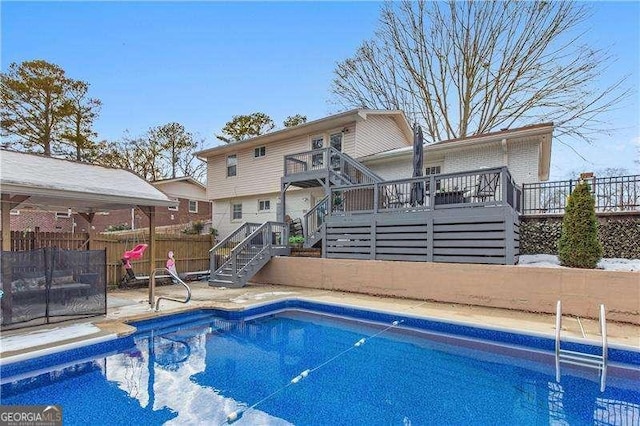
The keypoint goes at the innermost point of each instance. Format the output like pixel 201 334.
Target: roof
pixel 322 124
pixel 187 179
pixel 501 134
pixel 542 131
pixel 57 183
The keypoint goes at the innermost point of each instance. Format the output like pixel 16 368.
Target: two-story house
pixel 243 178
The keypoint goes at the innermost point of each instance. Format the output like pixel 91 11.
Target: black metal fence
pixel 612 194
pixel 50 285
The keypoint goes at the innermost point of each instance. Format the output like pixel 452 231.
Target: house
pixel 188 193
pixel 244 178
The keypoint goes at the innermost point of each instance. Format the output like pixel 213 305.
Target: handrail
pixel 310 214
pixel 580 358
pixel 361 167
pixel 248 238
pixel 605 347
pixel 152 279
pixel 327 155
pixel 233 234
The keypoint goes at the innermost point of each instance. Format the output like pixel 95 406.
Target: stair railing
pixel 355 171
pixel 312 220
pixel 221 252
pixel 260 241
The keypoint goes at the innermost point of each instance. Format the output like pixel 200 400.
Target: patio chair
pixel 395 198
pixel 486 187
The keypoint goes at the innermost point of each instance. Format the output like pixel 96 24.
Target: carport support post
pixel 6 222
pixel 150 212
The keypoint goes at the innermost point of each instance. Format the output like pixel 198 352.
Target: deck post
pixel 429 221
pixel 373 236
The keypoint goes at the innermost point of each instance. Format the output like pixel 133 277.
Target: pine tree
pixel 578 246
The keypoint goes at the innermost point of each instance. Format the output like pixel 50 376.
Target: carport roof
pixel 57 184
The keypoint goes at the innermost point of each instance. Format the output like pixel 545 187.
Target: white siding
pixel 396 168
pixel 473 159
pixel 262 175
pixel 524 161
pixel 376 134
pixel 298 202
pixel 183 190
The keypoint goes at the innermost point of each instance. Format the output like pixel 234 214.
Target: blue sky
pixel 201 63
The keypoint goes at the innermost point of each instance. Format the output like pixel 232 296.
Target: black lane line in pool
pixel 236 415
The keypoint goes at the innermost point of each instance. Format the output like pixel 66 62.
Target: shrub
pixel 296 239
pixel 120 227
pixel 578 246
pixel 194 229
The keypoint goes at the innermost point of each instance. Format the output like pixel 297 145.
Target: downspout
pixel 505 153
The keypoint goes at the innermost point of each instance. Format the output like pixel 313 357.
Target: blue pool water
pixel 199 367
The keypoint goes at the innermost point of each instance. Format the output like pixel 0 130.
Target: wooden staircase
pixel 237 258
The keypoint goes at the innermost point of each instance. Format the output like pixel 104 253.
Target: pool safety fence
pixel 50 284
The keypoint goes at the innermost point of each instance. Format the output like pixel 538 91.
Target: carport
pixel 46 183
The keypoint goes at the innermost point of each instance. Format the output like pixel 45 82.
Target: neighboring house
pixel 190 195
pixel 244 178
pixel 42 220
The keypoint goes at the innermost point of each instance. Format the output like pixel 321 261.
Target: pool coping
pixel 355 311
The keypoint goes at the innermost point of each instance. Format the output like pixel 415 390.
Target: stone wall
pixel 619 234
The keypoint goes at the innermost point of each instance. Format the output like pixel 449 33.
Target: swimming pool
pixel 200 367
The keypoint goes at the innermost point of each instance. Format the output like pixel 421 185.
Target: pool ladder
pixel 152 277
pixel 598 362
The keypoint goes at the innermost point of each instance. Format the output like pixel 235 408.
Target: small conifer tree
pixel 578 246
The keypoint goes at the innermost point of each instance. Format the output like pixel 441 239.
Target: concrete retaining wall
pixel 511 287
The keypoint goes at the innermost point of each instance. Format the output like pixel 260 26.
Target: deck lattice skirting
pixel 469 235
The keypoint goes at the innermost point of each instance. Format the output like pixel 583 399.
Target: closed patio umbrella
pixel 417 188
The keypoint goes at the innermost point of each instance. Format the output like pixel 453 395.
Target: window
pixel 317 159
pixel 14 212
pixel 432 170
pixel 193 206
pixel 317 142
pixel 264 205
pixel 232 165
pixel 260 152
pixel 236 211
pixel 175 208
pixel 63 215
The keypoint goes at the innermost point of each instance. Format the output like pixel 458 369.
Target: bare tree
pixel 464 68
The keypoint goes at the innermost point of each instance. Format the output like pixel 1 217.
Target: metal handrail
pixel 579 358
pixel 152 279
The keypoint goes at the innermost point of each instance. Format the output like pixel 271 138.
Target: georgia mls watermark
pixel 30 415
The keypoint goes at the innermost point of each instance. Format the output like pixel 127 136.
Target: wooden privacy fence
pixel 191 251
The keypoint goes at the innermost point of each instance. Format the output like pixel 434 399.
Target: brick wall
pixel 32 220
pixel 164 217
pixel 619 235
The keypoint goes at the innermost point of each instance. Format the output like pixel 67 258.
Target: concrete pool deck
pixel 128 305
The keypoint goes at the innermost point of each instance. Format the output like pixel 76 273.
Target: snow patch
pixel 551 261
pixel 43 337
pixel 259 296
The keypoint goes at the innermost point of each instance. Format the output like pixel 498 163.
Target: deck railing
pixel 485 187
pixel 221 252
pixel 612 194
pixel 314 218
pixel 329 159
